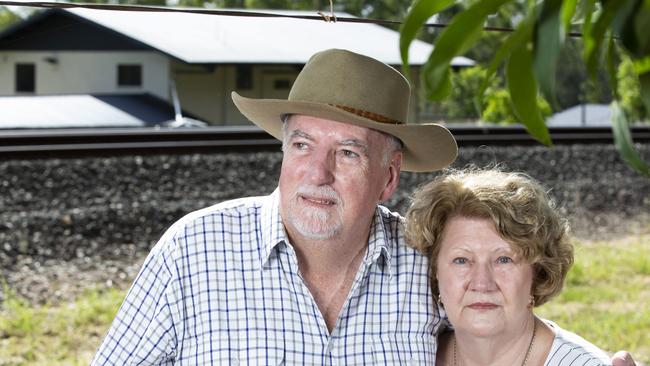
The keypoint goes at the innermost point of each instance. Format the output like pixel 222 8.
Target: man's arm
pixel 622 358
pixel 143 329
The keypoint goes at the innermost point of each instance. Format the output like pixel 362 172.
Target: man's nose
pixel 482 279
pixel 321 169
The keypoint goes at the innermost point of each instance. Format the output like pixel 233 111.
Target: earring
pixel 532 301
pixel 439 300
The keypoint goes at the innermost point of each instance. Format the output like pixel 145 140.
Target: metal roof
pixel 66 111
pixel 205 38
pixel 582 115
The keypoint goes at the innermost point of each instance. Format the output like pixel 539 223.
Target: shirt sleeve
pixel 143 331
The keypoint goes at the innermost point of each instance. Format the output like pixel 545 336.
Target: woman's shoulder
pixel 571 349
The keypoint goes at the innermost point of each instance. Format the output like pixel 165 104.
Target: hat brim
pixel 427 147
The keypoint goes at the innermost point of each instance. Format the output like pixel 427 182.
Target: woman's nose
pixel 482 278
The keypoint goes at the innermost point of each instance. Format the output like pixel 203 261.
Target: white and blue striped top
pixel 222 287
pixel 569 349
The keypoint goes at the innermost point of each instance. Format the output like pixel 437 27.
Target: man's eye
pixel 459 260
pixel 504 260
pixel 350 154
pixel 299 145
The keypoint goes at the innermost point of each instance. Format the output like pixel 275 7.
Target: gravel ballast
pixel 66 224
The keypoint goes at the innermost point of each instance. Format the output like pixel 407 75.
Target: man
pixel 317 273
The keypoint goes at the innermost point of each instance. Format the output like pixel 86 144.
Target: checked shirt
pixel 222 287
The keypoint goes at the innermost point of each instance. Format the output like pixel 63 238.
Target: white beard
pixel 312 222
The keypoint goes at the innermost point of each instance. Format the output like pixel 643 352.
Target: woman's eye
pixel 504 260
pixel 459 260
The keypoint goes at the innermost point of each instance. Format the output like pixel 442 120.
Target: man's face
pixel 333 175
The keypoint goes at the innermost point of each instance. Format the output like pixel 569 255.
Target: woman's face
pixel 484 286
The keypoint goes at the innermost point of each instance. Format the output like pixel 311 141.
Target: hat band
pixel 370 115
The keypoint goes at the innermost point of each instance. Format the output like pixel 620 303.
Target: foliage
pixel 7 17
pixel 532 52
pixel 376 9
pixel 462 102
pixel 573 84
pixel 629 91
pixel 498 108
pixel 124 2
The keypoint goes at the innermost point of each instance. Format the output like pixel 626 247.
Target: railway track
pixel 110 142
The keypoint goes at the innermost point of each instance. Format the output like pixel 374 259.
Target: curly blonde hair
pixel 521 210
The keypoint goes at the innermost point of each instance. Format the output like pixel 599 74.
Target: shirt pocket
pixel 404 350
pixel 266 357
pixel 249 357
pixel 262 353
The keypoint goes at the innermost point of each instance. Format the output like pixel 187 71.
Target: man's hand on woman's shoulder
pixel 622 358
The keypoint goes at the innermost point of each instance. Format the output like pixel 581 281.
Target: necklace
pixel 530 346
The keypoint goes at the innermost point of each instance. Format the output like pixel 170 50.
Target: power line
pixel 240 13
pixel 164 9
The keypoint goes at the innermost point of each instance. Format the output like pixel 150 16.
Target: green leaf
pixel 523 92
pixel 623 24
pixel 568 9
pixel 644 80
pixel 463 31
pixel 642 29
pixel 623 141
pixel 587 9
pixel 548 43
pixel 642 65
pixel 442 79
pixel 521 34
pixel 594 39
pixel 642 69
pixel 632 27
pixel 419 13
pixel 612 68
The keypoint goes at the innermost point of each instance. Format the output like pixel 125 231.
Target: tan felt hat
pixel 351 88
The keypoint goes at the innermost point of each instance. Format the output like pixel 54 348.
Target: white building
pixel 589 114
pixel 102 52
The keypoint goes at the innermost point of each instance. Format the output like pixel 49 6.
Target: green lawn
pixel 64 334
pixel 606 300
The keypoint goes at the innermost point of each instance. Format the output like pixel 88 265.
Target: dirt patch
pixel 55 281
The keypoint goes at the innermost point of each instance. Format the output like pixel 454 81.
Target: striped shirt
pixel 222 287
pixel 569 349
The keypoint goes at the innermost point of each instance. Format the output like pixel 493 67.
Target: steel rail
pixel 135 141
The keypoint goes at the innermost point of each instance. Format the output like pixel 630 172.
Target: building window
pixel 129 75
pixel 282 84
pixel 25 78
pixel 244 77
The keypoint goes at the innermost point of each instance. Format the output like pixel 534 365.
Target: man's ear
pixel 394 168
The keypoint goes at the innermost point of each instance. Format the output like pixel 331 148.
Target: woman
pixel 497 248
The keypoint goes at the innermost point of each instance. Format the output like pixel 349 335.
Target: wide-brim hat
pixel 351 88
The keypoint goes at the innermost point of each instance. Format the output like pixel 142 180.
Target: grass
pixel 606 300
pixel 64 334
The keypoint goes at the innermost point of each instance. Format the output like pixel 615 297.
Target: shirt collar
pixel 273 233
pixel 379 242
pixel 271 226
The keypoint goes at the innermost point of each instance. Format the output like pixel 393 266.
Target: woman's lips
pixel 483 306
